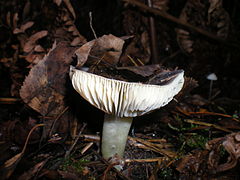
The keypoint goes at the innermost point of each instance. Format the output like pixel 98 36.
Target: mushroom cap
pixel 124 99
pixel 212 77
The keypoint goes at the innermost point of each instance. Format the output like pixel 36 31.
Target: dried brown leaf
pixel 31 42
pixel 70 8
pixel 107 48
pixel 160 4
pixel 76 41
pixel 44 87
pixel 23 27
pixel 15 20
pixel 231 144
pixel 39 48
pixel 57 2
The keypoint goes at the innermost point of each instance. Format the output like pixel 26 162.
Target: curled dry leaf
pixel 31 42
pixel 107 48
pixel 231 143
pixel 210 161
pixel 193 163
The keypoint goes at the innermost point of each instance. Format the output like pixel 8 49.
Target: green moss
pixel 71 163
pixel 165 173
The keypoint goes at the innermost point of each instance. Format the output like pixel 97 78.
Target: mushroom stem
pixel 114 135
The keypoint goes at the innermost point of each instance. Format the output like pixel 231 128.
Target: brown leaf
pixel 107 48
pixel 15 20
pixel 23 27
pixel 44 88
pixel 57 2
pixel 34 58
pixel 193 164
pixel 31 42
pixel 39 48
pixel 231 143
pixel 76 41
pixel 161 4
pixel 70 8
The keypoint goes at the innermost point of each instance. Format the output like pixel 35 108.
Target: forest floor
pixel 48 131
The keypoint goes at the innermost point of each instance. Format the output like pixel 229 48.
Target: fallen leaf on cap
pixel 107 48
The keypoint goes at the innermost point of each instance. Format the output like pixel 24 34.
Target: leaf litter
pixel 191 137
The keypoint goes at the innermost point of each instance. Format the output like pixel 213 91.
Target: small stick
pixel 135 64
pixel 76 140
pixel 8 100
pixel 208 125
pixel 91 26
pixel 153 36
pixel 184 24
pixel 86 147
pixel 159 159
pixel 55 120
pixel 121 175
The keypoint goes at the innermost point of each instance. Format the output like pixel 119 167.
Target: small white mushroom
pixel 121 101
pixel 212 77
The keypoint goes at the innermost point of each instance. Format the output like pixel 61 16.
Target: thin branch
pixel 91 26
pixel 153 36
pixel 183 24
pixel 76 140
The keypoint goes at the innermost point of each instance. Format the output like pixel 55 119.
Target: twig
pixel 55 120
pixel 121 175
pixel 86 147
pixel 185 25
pixel 76 140
pixel 8 100
pixel 208 125
pixel 142 64
pixel 131 59
pixel 214 114
pixel 154 147
pixel 91 26
pixel 153 36
pixel 159 159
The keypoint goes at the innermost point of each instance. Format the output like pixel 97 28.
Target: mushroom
pixel 211 77
pixel 121 101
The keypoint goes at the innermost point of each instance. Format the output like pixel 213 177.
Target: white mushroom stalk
pixel 121 101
